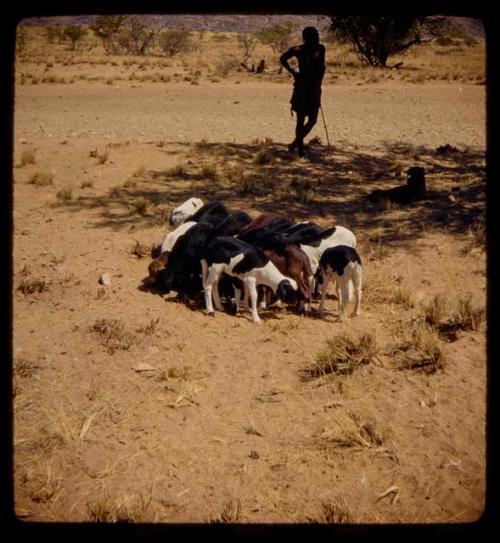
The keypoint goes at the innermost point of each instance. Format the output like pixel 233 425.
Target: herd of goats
pixel 219 254
pixel 213 251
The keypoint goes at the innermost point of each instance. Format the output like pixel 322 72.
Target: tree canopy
pixel 376 38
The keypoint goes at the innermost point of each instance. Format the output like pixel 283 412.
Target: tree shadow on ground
pixel 330 185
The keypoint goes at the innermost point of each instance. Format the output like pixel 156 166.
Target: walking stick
pixel 324 124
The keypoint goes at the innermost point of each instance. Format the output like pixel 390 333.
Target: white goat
pixel 185 210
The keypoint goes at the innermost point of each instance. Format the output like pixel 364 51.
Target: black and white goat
pixel 247 263
pixel 342 264
pixel 287 257
pixel 314 241
pixel 183 270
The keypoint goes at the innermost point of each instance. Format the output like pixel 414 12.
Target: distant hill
pixel 214 23
pixel 241 23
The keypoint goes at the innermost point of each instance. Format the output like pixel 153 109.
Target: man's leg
pixel 298 142
pixel 312 119
pixel 302 129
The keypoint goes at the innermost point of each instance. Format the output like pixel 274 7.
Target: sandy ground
pixel 193 419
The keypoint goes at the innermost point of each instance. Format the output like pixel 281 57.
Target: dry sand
pixel 194 419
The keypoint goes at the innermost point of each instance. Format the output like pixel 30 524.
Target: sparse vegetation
pixel 333 512
pixel 149 328
pixel 65 194
pixel 140 250
pixel 178 171
pixel 28 157
pixel 231 511
pixel 112 335
pixel 435 310
pixel 42 179
pixel 342 355
pixel 144 435
pixel 264 156
pixel 29 286
pixel 141 205
pixel 422 351
pixel 404 296
pixel 209 171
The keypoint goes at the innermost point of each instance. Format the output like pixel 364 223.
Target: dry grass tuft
pixel 65 194
pixel 253 185
pixel 332 512
pixel 435 311
pixel 141 205
pixel 304 189
pixel 468 316
pixel 210 172
pixel 347 432
pixel 178 171
pixel 464 317
pixel 112 335
pixel 103 509
pixel 264 156
pixel 31 286
pixel 129 509
pixel 140 250
pixel 477 237
pixel 149 328
pixel 42 486
pixel 28 157
pixel 42 179
pixel 342 355
pixel 422 351
pixel 404 296
pixel 231 511
pixel 24 368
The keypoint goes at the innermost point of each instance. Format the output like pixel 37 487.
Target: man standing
pixel 306 96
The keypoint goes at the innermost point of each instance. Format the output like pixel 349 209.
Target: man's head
pixel 310 35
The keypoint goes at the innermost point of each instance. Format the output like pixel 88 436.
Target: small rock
pixel 452 198
pixel 105 279
pixel 254 455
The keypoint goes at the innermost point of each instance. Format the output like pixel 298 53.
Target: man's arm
pixel 285 57
pixel 323 64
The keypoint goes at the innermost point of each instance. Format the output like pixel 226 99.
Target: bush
pixel 342 355
pixel 175 41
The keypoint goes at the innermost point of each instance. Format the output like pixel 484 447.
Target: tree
pixel 278 36
pixel 105 27
pixel 75 34
pixel 141 34
pixel 54 33
pixel 175 41
pixel 247 43
pixel 376 38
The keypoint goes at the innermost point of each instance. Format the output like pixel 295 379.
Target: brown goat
pixel 294 263
pixel 155 267
pixel 262 220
